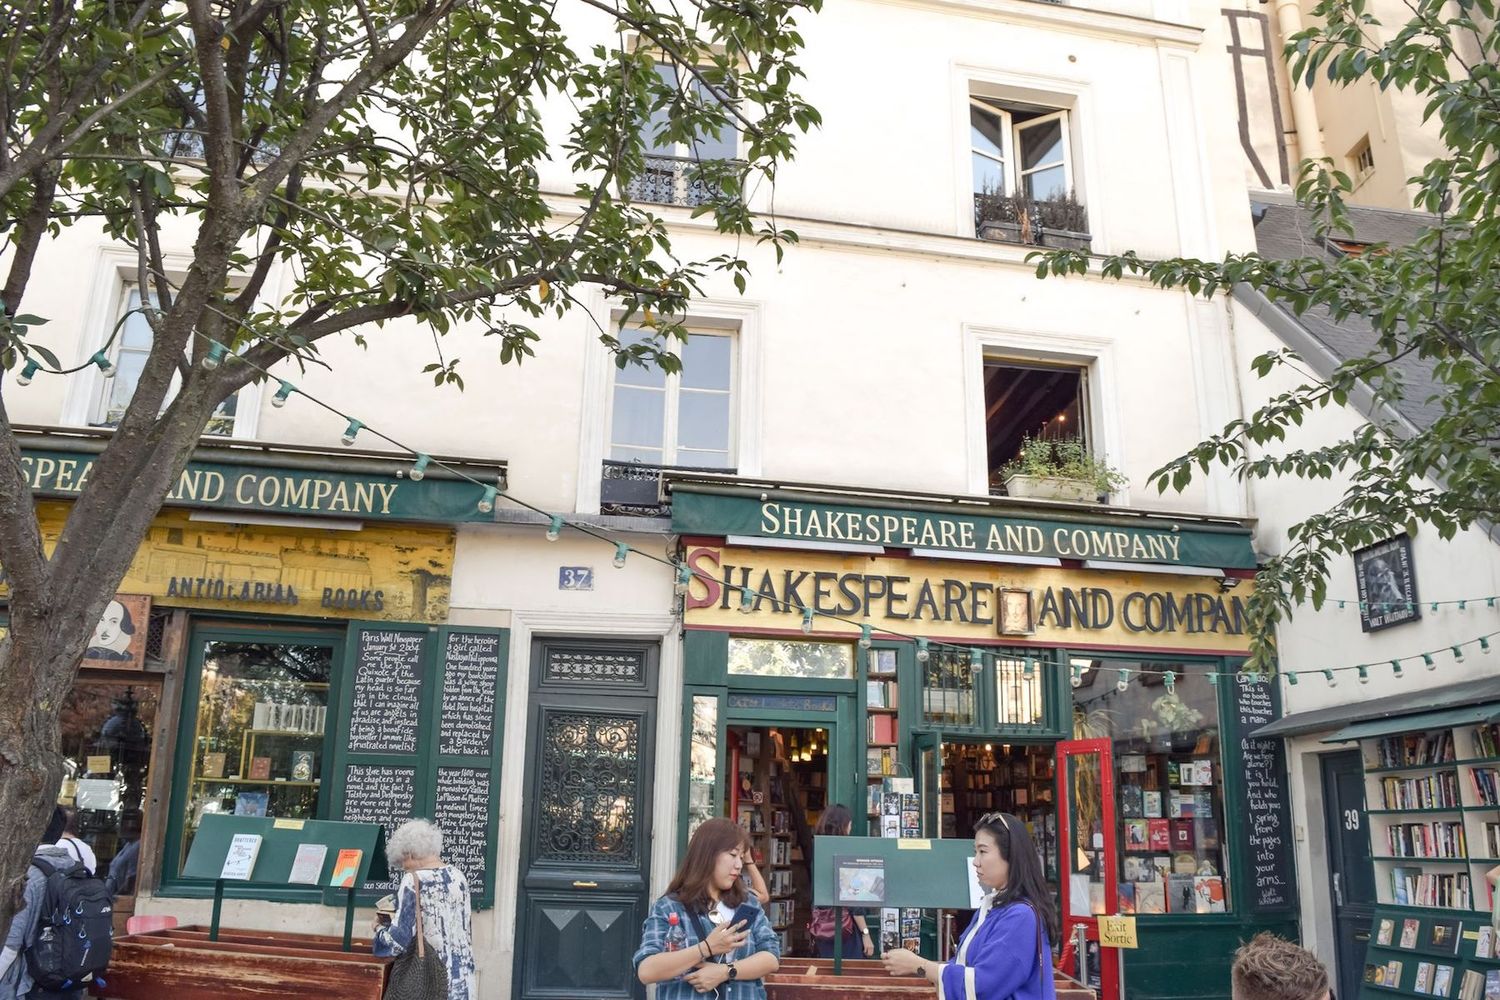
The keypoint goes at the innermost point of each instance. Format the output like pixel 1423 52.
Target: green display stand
pixel 279 841
pixel 928 874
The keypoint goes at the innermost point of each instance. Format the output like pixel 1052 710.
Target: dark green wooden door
pixel 586 849
pixel 1351 874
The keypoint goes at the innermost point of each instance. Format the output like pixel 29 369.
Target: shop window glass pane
pixel 1018 690
pixel 1169 780
pixel 775 658
pixel 258 731
pixel 106 746
pixel 948 689
pixel 703 761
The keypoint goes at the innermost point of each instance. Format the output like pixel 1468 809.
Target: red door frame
pixel 1109 958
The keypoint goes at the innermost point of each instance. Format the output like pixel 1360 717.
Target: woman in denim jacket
pixel 714 958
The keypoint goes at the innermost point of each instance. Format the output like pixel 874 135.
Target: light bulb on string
pixel 1077 680
pixel 1123 684
pixel 747 601
pixel 214 357
pixel 1428 661
pixel 351 432
pixel 102 363
pixel 418 470
pixel 1291 677
pixel 1484 644
pixel 1458 654
pixel 922 652
pixel 622 551
pixel 1213 678
pixel 1333 681
pixel 28 372
pixel 807 621
pixel 1434 607
pixel 487 501
pixel 1364 674
pixel 684 577
pixel 1028 669
pixel 283 393
pixel 1396 669
pixel 1463 605
pixel 864 637
pixel 976 659
pixel 1170 680
pixel 554 527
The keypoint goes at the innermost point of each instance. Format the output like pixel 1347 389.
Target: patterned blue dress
pixel 445 924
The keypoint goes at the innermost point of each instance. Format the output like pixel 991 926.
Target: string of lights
pixel 750 599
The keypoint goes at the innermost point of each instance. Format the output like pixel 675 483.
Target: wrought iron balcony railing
pixel 665 181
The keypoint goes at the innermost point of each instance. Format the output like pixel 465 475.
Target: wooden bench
pixel 182 963
pixel 813 979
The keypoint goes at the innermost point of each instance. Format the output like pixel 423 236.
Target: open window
pixel 666 178
pixel 1031 400
pixel 1023 174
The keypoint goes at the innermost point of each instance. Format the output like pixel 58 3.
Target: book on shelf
pixel 1443 935
pixel 1131 801
pixel 1410 886
pixel 302 765
pixel 1409 928
pixel 252 803
pixel 881 694
pixel 882 728
pixel 1471 987
pixel 260 768
pixel 1414 749
pixel 1442 981
pixel 1150 897
pixel 1492 984
pixel 278 718
pixel 1423 982
pixel 239 860
pixel 1159 834
pixel 1386 931
pixel 1442 839
pixel 1484 942
pixel 1433 791
pixel 1485 740
pixel 1486 785
pixel 213 765
pixel 307 866
pixel 1393 972
pixel 1151 804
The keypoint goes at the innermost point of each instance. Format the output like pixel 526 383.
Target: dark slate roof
pixel 1285 232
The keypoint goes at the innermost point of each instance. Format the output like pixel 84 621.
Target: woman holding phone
pixel 708 932
pixel 1004 954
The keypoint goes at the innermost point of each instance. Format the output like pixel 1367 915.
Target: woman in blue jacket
pixel 1004 954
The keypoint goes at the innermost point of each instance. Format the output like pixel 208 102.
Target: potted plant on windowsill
pixel 1058 469
pixel 1060 221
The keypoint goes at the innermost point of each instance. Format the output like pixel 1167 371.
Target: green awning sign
pixel 280 490
pixel 721 515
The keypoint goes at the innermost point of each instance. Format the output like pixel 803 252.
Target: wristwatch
pixel 734 973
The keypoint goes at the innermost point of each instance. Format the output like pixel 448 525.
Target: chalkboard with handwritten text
pixel 385 714
pixel 462 811
pixel 380 794
pixel 1263 808
pixel 471 671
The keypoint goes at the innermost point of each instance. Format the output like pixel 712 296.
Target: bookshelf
pixel 882 725
pixel 763 808
pixel 1433 801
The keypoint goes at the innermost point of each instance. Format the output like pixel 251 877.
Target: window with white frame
pixel 684 419
pixel 1022 162
pixel 128 353
pixel 665 177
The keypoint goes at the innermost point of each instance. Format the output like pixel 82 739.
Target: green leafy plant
pixel 1060 211
pixel 1062 458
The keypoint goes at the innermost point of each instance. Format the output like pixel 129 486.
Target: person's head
pixel 70 821
pixel 55 826
pixel 416 841
pixel 836 821
pixel 1271 968
pixel 114 628
pixel 711 869
pixel 1007 863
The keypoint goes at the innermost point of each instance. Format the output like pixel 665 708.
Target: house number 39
pixel 1351 819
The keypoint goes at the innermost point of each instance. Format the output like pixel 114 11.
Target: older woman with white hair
pixel 416 847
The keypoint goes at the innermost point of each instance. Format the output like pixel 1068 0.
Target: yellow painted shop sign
pixel 964 601
pixel 390 573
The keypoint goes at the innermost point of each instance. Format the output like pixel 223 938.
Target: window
pixel 682 420
pixel 132 345
pixel 1031 400
pixel 776 658
pixel 1362 159
pixel 1169 779
pixel 1022 167
pixel 665 178
pixel 258 735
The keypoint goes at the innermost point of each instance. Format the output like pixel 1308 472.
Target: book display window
pixel 258 732
pixel 1169 780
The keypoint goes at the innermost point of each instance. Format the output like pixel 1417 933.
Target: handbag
pixel 417 974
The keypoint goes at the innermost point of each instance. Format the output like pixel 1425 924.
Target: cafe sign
pixel 277 490
pixel 961 601
pixel 988 534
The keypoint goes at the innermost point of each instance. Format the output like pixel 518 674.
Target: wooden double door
pixel 586 843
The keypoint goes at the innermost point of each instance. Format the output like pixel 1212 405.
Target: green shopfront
pixel 284 651
pixel 1074 667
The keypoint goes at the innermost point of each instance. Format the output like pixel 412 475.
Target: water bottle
pixel 676 936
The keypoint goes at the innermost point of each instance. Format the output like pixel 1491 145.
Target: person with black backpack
pixel 60 939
